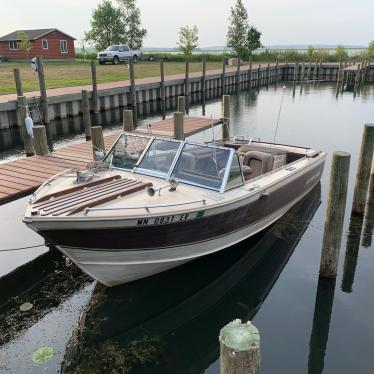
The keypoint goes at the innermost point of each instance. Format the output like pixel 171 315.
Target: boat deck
pixel 21 177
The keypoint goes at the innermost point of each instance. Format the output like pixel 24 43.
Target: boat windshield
pixel 202 165
pixel 127 151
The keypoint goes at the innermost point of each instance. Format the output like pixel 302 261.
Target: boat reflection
pixel 169 323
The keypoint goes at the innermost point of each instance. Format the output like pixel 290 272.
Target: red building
pixel 52 44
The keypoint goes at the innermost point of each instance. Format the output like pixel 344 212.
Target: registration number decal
pixel 163 220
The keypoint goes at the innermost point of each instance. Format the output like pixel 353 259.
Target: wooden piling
pixel 250 74
pixel 357 78
pixel 259 76
pixel 43 90
pixel 268 75
pixel 26 138
pixel 310 70
pixel 238 76
pixel 239 348
pixel 315 74
pixel 226 117
pixel 181 104
pixel 277 71
pixel 295 73
pixel 18 81
pixel 286 70
pixel 40 141
pixel 133 91
pixel 368 226
pixel 320 70
pixel 223 77
pixel 203 82
pixel 162 87
pixel 128 121
pixel 95 98
pixel 86 114
pixel 363 169
pixel 187 86
pixel 97 140
pixel 302 73
pixel 335 214
pixel 338 79
pixel 178 126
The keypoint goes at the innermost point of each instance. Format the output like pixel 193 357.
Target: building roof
pixel 31 34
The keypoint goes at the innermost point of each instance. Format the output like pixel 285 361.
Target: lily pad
pixel 25 307
pixel 42 355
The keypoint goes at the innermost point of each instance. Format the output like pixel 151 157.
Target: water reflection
pixel 169 323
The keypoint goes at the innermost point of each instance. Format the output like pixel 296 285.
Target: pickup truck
pixel 117 53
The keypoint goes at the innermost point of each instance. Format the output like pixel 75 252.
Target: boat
pixel 154 203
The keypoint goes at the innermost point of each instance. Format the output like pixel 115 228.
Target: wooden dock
pixel 21 177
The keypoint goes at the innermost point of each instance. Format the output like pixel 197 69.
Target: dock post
pixel 26 138
pixel 295 71
pixel 302 76
pixel 18 81
pixel 286 68
pixel 223 76
pixel 315 73
pixel 239 348
pixel 268 75
pixel 363 170
pixel 43 89
pixel 97 140
pixel 178 126
pixel 357 78
pixel 203 82
pixel 162 88
pixel 320 70
pixel 335 214
pixel 86 114
pixel 345 77
pixel 40 141
pixel 128 121
pixel 226 117
pixel 181 104
pixel 95 98
pixel 133 91
pixel 309 71
pixel 238 76
pixel 187 86
pixel 367 232
pixel 338 79
pixel 277 71
pixel 259 76
pixel 250 74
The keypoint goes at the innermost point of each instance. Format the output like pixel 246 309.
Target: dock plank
pixel 20 177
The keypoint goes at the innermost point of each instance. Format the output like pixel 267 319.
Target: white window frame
pixel 63 42
pixel 45 40
pixel 10 45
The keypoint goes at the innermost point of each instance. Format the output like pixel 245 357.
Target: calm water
pixel 170 323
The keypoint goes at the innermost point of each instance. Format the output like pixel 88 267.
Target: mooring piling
pixel 363 170
pixel 238 75
pixel 335 214
pixel 203 82
pixel 128 121
pixel 226 117
pixel 26 137
pixel 286 70
pixel 295 71
pixel 181 107
pixel 43 90
pixel 95 97
pixel 187 85
pixel 18 81
pixel 338 79
pixel 40 140
pixel 97 140
pixel 357 79
pixel 268 75
pixel 178 126
pixel 315 73
pixel 239 348
pixel 367 231
pixel 86 114
pixel 258 77
pixel 250 73
pixel 162 88
pixel 133 91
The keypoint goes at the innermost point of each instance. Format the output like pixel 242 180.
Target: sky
pixel 280 21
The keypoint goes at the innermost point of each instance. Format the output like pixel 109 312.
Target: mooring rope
pixel 20 248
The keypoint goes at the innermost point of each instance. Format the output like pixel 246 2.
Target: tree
pixel 24 42
pixel 241 37
pixel 131 19
pixel 310 52
pixel 106 26
pixel 370 50
pixel 340 53
pixel 188 39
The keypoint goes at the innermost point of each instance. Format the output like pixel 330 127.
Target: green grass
pixel 78 72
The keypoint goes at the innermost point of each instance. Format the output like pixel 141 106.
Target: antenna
pixel 279 114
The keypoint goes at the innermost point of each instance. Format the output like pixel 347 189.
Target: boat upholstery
pixel 259 162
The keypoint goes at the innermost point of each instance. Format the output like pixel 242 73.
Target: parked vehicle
pixel 117 53
pixel 4 59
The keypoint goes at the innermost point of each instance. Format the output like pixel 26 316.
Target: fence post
pixel 178 126
pixel 40 140
pixel 363 169
pixel 239 348
pixel 26 138
pixel 128 120
pixel 86 114
pixel 335 214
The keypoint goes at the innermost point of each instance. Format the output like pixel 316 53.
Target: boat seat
pixel 259 162
pixel 246 170
pixel 243 149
